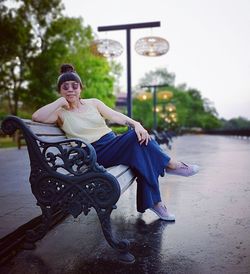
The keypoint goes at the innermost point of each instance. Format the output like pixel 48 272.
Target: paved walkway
pixel 210 235
pixel 17 204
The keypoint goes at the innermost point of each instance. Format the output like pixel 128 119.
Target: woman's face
pixel 71 90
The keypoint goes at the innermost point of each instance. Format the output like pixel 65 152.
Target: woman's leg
pixel 148 162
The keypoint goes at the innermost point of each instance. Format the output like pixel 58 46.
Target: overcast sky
pixel 209 43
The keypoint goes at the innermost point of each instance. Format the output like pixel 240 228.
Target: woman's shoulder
pixel 91 101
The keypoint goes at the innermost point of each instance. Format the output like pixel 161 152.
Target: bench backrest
pixel 49 148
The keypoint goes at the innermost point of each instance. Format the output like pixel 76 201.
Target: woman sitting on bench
pixel 85 119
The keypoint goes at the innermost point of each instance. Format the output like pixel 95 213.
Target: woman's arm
pixel 49 113
pixel 122 119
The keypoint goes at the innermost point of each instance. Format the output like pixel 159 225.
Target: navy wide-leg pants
pixel 147 162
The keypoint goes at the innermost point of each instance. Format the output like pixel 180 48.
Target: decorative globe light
pixel 173 115
pixel 152 46
pixel 167 120
pixel 143 96
pixel 170 107
pixel 157 109
pixel 106 48
pixel 165 95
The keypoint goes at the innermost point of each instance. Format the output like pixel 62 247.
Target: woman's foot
pixel 182 169
pixel 162 212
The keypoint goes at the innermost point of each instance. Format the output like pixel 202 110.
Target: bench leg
pixel 38 233
pixel 122 246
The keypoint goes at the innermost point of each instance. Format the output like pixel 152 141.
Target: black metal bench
pixel 66 177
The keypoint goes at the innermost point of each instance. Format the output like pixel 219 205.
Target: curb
pixel 12 243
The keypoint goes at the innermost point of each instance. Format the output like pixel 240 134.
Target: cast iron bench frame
pixel 65 176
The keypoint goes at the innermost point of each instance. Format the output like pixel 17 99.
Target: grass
pixel 6 142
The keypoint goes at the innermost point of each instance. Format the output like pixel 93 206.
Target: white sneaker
pixel 163 213
pixel 183 169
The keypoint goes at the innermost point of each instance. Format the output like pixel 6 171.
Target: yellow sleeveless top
pixel 88 125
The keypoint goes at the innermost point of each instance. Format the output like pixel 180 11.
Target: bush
pixel 119 129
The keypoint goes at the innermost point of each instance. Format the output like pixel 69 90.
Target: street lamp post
pixel 154 100
pixel 128 28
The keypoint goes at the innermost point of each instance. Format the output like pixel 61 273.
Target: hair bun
pixel 67 68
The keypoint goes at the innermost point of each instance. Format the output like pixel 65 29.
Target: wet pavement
pixel 211 233
pixel 17 204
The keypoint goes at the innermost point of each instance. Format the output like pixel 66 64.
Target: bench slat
pixel 30 122
pixel 43 129
pixel 46 130
pixel 123 174
pixel 52 139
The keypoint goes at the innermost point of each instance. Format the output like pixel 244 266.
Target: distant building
pixel 121 101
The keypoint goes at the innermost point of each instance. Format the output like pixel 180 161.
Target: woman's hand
pixel 122 119
pixel 142 134
pixel 49 113
pixel 62 102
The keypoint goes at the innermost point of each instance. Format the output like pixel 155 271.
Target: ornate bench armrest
pixel 69 156
pixel 66 156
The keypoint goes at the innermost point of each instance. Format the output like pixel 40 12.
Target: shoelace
pixel 164 208
pixel 185 166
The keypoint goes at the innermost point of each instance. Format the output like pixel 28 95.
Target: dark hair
pixel 68 73
pixel 66 68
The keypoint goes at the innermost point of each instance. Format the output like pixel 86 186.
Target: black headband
pixel 68 76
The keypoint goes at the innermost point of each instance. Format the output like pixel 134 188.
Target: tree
pixel 236 123
pixel 21 39
pixel 192 110
pixel 44 39
pixel 67 41
pixel 158 76
pixel 142 112
pixel 198 111
pixel 116 72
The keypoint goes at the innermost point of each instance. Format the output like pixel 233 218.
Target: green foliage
pixel 6 142
pixel 236 123
pixel 22 27
pixel 72 46
pixel 161 76
pixel 143 112
pixel 44 39
pixel 98 81
pixel 191 109
pixel 119 129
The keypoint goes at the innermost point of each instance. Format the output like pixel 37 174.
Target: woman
pixel 85 118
